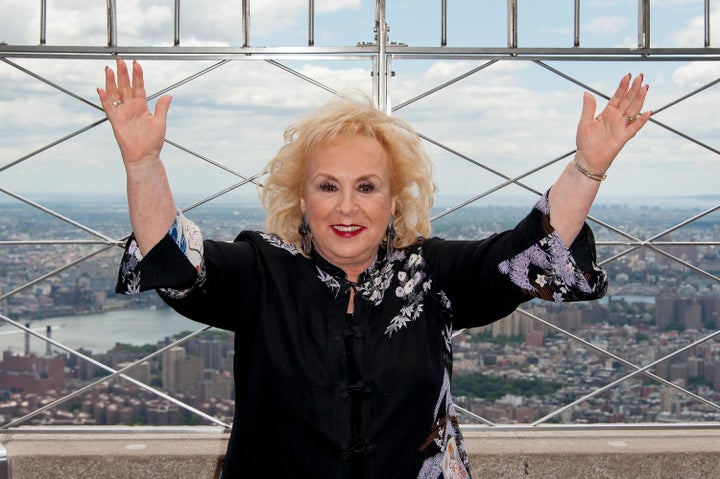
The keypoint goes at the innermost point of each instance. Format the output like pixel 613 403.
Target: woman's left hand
pixel 599 139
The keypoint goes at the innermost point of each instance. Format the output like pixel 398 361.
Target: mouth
pixel 347 231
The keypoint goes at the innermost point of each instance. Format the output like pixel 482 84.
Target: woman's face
pixel 347 201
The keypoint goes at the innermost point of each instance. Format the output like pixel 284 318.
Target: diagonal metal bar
pixel 626 377
pixel 103 120
pixel 50 242
pixel 114 373
pixel 684 135
pixel 55 271
pixel 50 83
pixel 444 85
pixel 652 118
pixel 685 223
pixel 510 180
pixel 659 243
pixel 663 253
pixel 474 416
pixel 608 354
pixel 686 96
pixel 304 77
pixel 222 192
pixel 53 144
pixel 57 215
pixel 209 160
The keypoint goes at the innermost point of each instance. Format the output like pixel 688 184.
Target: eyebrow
pixel 370 177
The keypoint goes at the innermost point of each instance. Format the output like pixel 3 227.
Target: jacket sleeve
pixel 486 280
pixel 206 281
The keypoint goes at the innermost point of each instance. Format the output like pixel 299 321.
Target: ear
pixel 392 205
pixel 302 205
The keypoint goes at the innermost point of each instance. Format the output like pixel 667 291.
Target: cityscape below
pixel 524 368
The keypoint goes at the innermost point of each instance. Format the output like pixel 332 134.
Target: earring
pixel 306 234
pixel 390 242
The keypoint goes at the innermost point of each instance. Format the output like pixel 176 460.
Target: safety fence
pixel 478 108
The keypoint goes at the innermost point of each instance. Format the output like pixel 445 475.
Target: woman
pixel 343 310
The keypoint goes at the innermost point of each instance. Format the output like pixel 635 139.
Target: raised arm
pixel 140 135
pixel 599 140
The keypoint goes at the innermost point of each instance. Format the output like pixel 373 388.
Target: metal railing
pixel 379 56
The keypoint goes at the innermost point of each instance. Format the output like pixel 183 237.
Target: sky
pixel 511 116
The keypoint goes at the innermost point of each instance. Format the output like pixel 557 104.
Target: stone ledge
pixel 686 452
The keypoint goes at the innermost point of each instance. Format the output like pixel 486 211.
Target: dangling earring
pixel 390 242
pixel 304 230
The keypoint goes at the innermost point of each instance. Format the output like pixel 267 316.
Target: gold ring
pixel 630 119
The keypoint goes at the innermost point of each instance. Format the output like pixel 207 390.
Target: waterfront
pixel 99 332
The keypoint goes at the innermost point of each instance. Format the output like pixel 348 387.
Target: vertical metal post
pixel 512 19
pixel 707 23
pixel 176 36
pixel 576 39
pixel 246 22
pixel 443 23
pixel 643 23
pixel 43 21
pixel 382 71
pixel 111 23
pixel 311 23
pixel 4 463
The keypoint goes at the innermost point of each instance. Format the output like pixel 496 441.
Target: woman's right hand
pixel 140 136
pixel 139 133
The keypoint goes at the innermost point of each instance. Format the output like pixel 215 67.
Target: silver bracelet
pixel 592 176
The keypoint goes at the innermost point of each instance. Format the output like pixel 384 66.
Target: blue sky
pixel 513 115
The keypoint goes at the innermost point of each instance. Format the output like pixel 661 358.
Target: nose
pixel 347 204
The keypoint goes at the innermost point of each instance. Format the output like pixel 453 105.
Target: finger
pixel 588 108
pixel 161 108
pixel 635 126
pixel 635 107
pixel 138 83
pixel 104 99
pixel 628 106
pixel 123 80
pixel 110 85
pixel 620 92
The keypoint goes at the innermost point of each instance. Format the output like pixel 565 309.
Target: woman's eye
pixel 367 187
pixel 327 187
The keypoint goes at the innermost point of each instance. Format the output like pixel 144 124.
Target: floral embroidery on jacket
pixel 547 270
pixel 379 279
pixel 129 275
pixel 413 284
pixel 278 242
pixel 329 280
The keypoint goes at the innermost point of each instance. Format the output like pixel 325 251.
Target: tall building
pixel 170 363
pixel 189 372
pixel 689 313
pixel 211 351
pixel 664 310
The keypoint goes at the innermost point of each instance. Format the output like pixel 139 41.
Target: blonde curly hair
pixel 410 168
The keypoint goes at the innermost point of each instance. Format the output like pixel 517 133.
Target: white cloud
pixel 512 115
pixel 696 74
pixel 693 32
pixel 605 25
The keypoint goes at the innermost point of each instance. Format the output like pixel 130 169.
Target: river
pixel 99 332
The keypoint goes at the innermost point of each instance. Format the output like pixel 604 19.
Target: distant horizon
pixel 441 200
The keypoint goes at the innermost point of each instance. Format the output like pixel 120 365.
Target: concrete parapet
pixel 686 452
pixel 546 452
